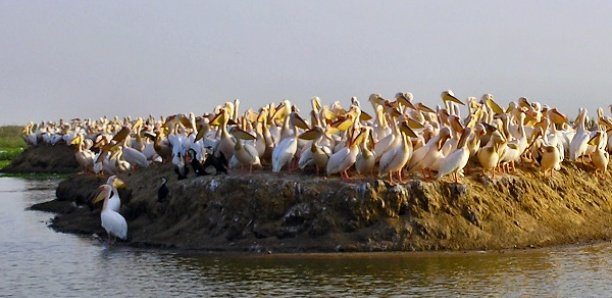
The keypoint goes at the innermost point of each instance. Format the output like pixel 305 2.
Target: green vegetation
pixel 11 144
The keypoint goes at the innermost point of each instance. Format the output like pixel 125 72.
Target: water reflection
pixel 37 261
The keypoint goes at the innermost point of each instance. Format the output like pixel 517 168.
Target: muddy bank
pixel 296 213
pixel 44 159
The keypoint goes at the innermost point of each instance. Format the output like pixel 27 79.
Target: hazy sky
pixel 92 58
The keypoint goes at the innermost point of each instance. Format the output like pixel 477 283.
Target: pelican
pixel 315 154
pixel 366 158
pixel 84 156
pixel 396 158
pixel 114 224
pixel 245 153
pixel 129 154
pixel 579 143
pixel 285 150
pixel 551 159
pixel 600 156
pixel 30 137
pixel 457 160
pixel 114 201
pixel 344 158
pixel 225 143
pixel 488 156
pixel 429 156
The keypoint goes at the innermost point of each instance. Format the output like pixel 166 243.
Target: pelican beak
pixel 300 122
pixel 118 183
pixel 365 116
pixel 242 134
pixel 343 125
pixel 404 101
pixel 100 196
pixel 494 106
pixel 310 134
pixel 414 124
pixel 448 97
pixel 424 108
pixel 122 134
pixel 407 130
pixel 557 117
pixel 594 141
pixel 218 119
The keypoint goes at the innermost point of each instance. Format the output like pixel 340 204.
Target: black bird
pixel 219 162
pixel 162 192
pixel 197 167
pixel 181 169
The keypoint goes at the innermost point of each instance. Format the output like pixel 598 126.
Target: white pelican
pixel 366 158
pixel 579 143
pixel 30 137
pixel 451 102
pixel 396 158
pixel 389 142
pixel 134 156
pixel 551 159
pixel 285 150
pixel 114 224
pixel 84 157
pixel 509 157
pixel 488 156
pixel 114 201
pixel 245 153
pixel 600 156
pixel 225 144
pixel 344 158
pixel 457 160
pixel 315 153
pixel 429 156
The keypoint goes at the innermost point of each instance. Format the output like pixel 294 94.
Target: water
pixel 36 261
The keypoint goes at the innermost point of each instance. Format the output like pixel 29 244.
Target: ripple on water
pixel 36 261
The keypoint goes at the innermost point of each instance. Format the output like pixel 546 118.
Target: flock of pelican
pixel 401 138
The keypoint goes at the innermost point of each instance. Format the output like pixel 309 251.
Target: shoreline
pixel 315 214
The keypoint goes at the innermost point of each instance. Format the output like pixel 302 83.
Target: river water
pixel 36 261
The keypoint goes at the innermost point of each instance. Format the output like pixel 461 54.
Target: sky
pixel 67 59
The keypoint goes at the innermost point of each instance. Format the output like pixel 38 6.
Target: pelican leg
pixel 391 178
pixel 345 175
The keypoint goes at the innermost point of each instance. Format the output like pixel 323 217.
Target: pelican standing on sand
pixel 394 160
pixel 600 156
pixel 285 150
pixel 113 223
pixel 344 158
pixel 458 159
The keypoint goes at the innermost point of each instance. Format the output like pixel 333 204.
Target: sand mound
pixel 294 213
pixel 44 159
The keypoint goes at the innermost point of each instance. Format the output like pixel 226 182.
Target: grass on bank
pixel 11 144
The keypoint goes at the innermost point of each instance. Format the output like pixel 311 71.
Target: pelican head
pixel 104 191
pixel 485 97
pixel 115 182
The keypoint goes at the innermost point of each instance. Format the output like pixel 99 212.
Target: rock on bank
pixel 58 158
pixel 295 213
